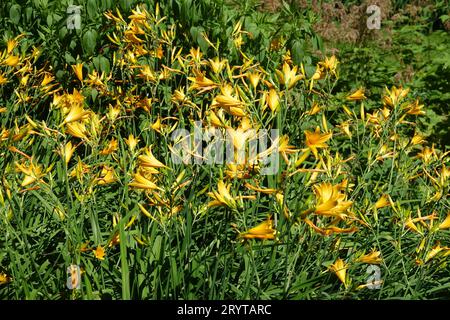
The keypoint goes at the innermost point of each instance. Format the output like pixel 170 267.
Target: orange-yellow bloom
pixel 357 95
pixel 330 64
pixel 222 197
pixel 142 182
pixel 201 83
pixel 107 175
pixel 394 96
pixel 112 146
pixel 371 258
pixel 78 69
pixel 315 140
pixel 446 223
pixel 217 65
pixel 384 201
pixel 262 231
pixel 4 278
pixel 11 61
pixel 273 100
pixel 131 142
pixel 149 161
pixel 76 113
pixel 99 253
pixel 340 269
pixel 77 129
pixel 32 173
pixel 288 76
pixel 330 201
pixel 67 152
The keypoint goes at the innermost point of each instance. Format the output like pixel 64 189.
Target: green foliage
pixel 171 242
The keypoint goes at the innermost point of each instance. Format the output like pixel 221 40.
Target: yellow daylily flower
pixel 99 252
pixel 315 140
pixel 314 109
pixel 77 129
pixel 218 119
pixel 179 95
pixel 261 190
pixel 149 161
pixel 446 223
pixel 240 171
pixel 217 65
pixel 142 182
pixel 131 142
pixel 394 96
pixel 10 45
pixel 3 79
pixel 329 230
pixel 288 76
pixel 157 125
pixel 201 83
pixel 227 99
pixel 4 278
pixel 78 69
pixel 357 95
pixel 196 56
pixel 67 152
pixel 345 127
pixel 76 113
pixel 415 108
pixel 284 148
pixel 11 61
pixel 340 269
pixel 330 201
pixel 222 196
pixel 273 100
pixel 147 73
pixel 107 175
pixel 384 201
pixel 318 75
pixel 371 258
pixel 330 64
pixel 418 139
pixel 434 251
pixel 262 231
pixel 32 173
pixel 427 154
pixel 239 138
pixel 254 78
pixel 112 146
